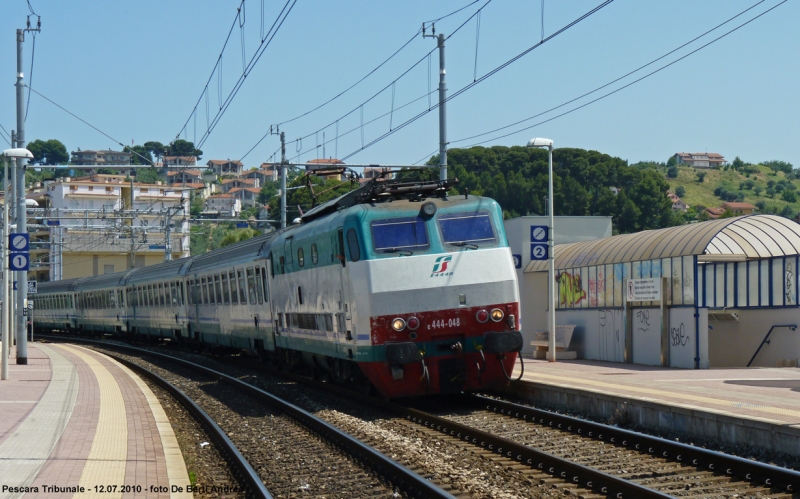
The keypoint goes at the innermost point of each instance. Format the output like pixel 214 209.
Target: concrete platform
pixel 77 420
pixel 758 407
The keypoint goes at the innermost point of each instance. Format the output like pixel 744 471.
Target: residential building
pixel 739 208
pixel 100 224
pixel 715 213
pixel 173 161
pixel 225 166
pixel 677 203
pixel 371 173
pixel 184 176
pixel 101 157
pixel 268 172
pixel 700 159
pixel 240 183
pixel 226 205
pixel 323 164
pixel 247 195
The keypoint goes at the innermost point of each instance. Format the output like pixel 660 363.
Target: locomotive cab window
pixel 467 228
pixel 352 245
pixel 398 234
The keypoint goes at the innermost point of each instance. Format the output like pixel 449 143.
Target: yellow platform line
pixel 663 393
pixel 109 453
pixel 176 466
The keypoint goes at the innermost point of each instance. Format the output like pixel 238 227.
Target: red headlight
pixel 412 323
pixel 482 316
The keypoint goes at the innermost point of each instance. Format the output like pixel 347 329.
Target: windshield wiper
pixel 398 250
pixel 462 243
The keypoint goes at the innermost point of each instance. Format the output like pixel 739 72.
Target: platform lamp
pixel 551 271
pixel 7 154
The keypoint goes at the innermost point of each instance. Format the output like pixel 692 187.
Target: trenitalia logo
pixel 440 267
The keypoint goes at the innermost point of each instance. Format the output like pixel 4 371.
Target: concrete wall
pixel 732 344
pixel 86 264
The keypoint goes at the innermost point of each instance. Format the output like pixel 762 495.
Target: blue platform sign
pixel 538 251
pixel 53 222
pixel 241 225
pixel 538 233
pixel 19 241
pixel 19 261
pixel 517 261
pixel 157 246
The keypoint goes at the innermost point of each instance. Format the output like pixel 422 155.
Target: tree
pixel 778 166
pixel 761 204
pixel 50 152
pixel 147 175
pixel 757 190
pixel 672 161
pixel 680 191
pixel 672 172
pixel 770 192
pixel 183 148
pixel 737 163
pixel 156 149
pixel 789 196
pixel 787 212
pixel 140 155
pixel 268 191
pixel 701 177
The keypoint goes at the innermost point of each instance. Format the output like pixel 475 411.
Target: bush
pixel 749 184
pixel 718 191
pixel 787 212
pixel 757 190
pixel 701 177
pixel 672 172
pixel 771 184
pixel 771 192
pixel 761 204
pixel 789 196
pixel 680 191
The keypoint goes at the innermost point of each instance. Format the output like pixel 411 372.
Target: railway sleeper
pixel 761 490
pixel 676 485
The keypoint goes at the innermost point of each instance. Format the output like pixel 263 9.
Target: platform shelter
pixel 730 288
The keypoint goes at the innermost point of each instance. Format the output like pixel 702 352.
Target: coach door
pixel 344 326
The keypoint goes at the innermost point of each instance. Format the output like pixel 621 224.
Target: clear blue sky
pixel 135 69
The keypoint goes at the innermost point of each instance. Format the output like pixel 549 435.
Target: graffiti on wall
pixel 570 291
pixel 612 343
pixel 789 286
pixel 678 336
pixel 596 286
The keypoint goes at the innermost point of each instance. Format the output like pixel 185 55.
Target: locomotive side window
pixel 283 267
pixel 314 254
pixel 242 288
pixel 234 294
pixel 352 245
pixel 460 229
pixel 226 296
pixel 301 260
pixel 397 234
pixel 287 250
pixel 251 285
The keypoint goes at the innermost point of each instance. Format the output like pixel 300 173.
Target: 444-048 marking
pixel 441 323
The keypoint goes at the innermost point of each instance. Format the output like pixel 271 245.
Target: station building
pixel 730 285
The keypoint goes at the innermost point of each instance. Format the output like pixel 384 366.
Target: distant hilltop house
pixel 321 164
pixel 101 157
pixel 171 161
pixel 700 159
pixel 225 166
pixel 736 208
pixel 677 203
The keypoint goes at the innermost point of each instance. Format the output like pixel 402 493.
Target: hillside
pixel 698 193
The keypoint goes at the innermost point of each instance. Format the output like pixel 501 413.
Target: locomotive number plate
pixel 444 323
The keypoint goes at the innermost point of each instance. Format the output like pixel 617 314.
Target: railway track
pixel 276 448
pixel 553 455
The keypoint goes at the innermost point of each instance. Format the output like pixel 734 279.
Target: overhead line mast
pixel 442 102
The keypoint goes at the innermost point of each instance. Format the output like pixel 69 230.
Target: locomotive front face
pixel 442 300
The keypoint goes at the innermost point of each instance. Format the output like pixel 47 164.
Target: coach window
pixel 251 285
pixel 181 293
pixel 218 289
pixel 148 295
pixel 162 299
pixel 264 283
pixel 112 301
pixel 234 294
pixel 226 297
pixel 259 286
pixel 314 254
pixel 174 288
pixel 301 260
pixel 352 245
pixel 203 291
pixel 120 300
pixel 242 288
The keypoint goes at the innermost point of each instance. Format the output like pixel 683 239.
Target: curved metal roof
pixel 739 238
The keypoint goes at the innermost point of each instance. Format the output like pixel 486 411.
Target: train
pixel 395 284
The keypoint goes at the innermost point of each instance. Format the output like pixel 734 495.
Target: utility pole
pixel 442 102
pixel 283 174
pixel 22 222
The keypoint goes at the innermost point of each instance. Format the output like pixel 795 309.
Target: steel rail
pixel 400 476
pixel 245 472
pixel 754 471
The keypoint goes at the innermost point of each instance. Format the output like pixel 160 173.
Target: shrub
pixel 771 192
pixel 672 172
pixel 761 204
pixel 789 196
pixel 701 177
pixel 757 190
pixel 787 212
pixel 680 191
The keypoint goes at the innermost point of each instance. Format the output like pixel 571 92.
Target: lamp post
pixel 551 267
pixel 6 337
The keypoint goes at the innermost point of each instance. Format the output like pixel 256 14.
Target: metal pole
pixel 6 300
pixel 442 112
pixel 167 236
pixel 551 266
pixel 284 171
pixel 22 276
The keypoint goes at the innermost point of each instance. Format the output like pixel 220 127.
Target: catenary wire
pixel 30 79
